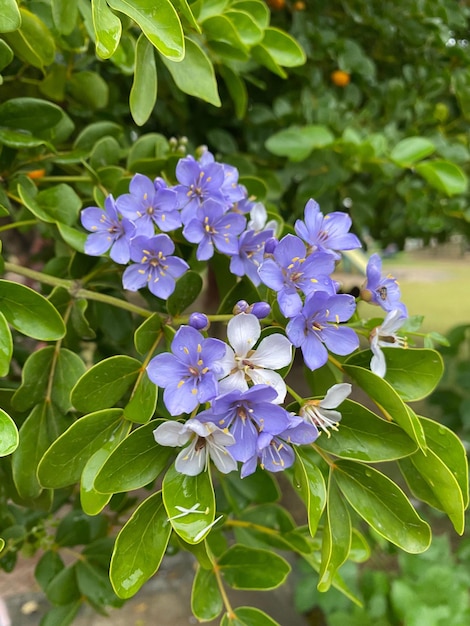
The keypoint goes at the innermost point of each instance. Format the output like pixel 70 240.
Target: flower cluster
pixel 233 391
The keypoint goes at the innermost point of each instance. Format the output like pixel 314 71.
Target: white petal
pixel 268 377
pixel 234 381
pixel 172 434
pixel 377 363
pixel 274 352
pixel 227 363
pixel 191 461
pixel 392 322
pixel 258 217
pixel 243 332
pixel 222 458
pixel 335 395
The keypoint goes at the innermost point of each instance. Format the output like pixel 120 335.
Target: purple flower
pixel 326 232
pixel 189 374
pixel 246 414
pixel 153 267
pixel 318 325
pixel 212 226
pixel 199 321
pixel 107 231
pixel 250 254
pixel 382 291
pixel 274 452
pixel 206 440
pixel 197 183
pixel 291 270
pixel 148 204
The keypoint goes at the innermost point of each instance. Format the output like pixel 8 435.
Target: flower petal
pixel 243 332
pixel 274 352
pixel 336 395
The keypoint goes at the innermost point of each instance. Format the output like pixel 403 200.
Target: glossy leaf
pixel 195 74
pixel 29 312
pixel 159 22
pixel 220 28
pixel 243 567
pixel 66 458
pixel 89 89
pixel 32 42
pixel 363 436
pixel 10 18
pixel 6 346
pixel 63 589
pixel 105 383
pixel 107 27
pixel 64 14
pixel 140 547
pixel 31 114
pixel 147 334
pixel 94 584
pixel 236 88
pixel 249 31
pixel 143 401
pixel 256 9
pixel 413 373
pixel 411 149
pixel 8 434
pixel 92 501
pixel 310 484
pixel 389 402
pixel 144 88
pixel 189 492
pixel 336 542
pixel 188 287
pixel 41 428
pixel 206 601
pixel 62 615
pixel 6 54
pixel 260 487
pixel 444 176
pixel 247 616
pixel 48 372
pixel 61 203
pixel 283 48
pixel 135 463
pixel 383 505
pixel 297 142
pixel 73 237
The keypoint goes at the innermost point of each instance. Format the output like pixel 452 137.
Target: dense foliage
pixel 151 302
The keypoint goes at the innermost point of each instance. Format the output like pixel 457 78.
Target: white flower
pixel 321 413
pixel 242 363
pixel 206 438
pixel 384 336
pixel 258 219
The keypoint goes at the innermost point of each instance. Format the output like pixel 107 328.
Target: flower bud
pixel 270 245
pixel 260 310
pixel 199 321
pixel 240 307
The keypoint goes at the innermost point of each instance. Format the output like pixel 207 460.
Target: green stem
pixel 46 279
pixel 295 395
pixel 17 225
pixel 66 179
pixel 112 300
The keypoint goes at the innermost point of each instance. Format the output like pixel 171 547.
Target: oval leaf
pixel 144 87
pixel 297 142
pixel 247 616
pixel 8 434
pixel 251 568
pixel 410 150
pixel 107 27
pixel 444 176
pixel 309 482
pixel 187 289
pixel 206 601
pixel 29 312
pixel 140 547
pixel 10 18
pixel 383 505
pixel 6 346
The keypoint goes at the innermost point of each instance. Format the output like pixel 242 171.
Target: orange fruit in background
pixel 276 5
pixel 299 6
pixel 36 174
pixel 340 78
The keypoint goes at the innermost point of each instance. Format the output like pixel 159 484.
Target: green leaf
pixel 256 9
pixel 6 346
pixel 237 90
pixel 383 505
pixel 48 566
pixel 363 436
pixel 62 615
pixel 62 589
pixel 107 27
pixel 243 567
pixel 89 89
pixel 8 434
pixel 188 287
pixel 444 176
pixel 91 133
pixel 140 547
pixel 159 22
pixel 74 238
pixel 309 482
pixel 91 501
pixel 148 334
pixel 6 54
pixel 189 492
pixel 206 601
pixel 64 367
pixel 259 487
pixel 410 150
pixel 66 458
pixel 33 42
pixel 136 462
pixel 31 114
pixel 297 142
pixel 413 372
pixel 19 139
pixel 283 48
pixel 336 542
pixel 220 28
pixel 105 383
pixel 144 87
pixel 42 426
pixel 10 18
pixel 195 74
pixel 248 30
pixel 143 401
pixel 247 616
pixel 61 203
pixel 389 402
pixel 94 584
pixel 183 7
pixel 29 312
pixel 64 14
